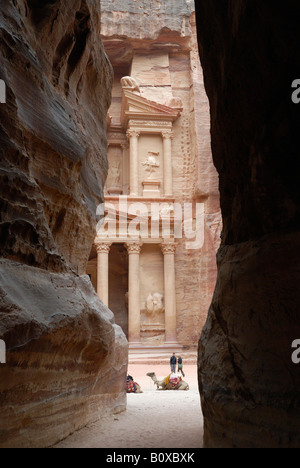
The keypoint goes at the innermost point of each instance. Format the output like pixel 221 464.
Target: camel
pixel 161 384
pixel 138 388
pixel 129 386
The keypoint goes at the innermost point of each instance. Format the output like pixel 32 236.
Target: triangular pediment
pixel 136 106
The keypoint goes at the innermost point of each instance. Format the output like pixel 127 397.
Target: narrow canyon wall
pixel 249 385
pixel 145 19
pixel 66 358
pixel 156 43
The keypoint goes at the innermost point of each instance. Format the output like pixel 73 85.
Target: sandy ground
pixel 154 419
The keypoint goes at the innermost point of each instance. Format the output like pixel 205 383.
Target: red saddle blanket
pixel 174 381
pixel 130 386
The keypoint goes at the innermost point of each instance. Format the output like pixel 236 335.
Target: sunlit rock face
pixel 144 19
pixel 248 382
pixel 66 360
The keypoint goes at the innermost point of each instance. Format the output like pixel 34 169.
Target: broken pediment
pixel 135 106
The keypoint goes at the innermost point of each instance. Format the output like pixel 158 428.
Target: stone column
pixel 124 147
pixel 103 249
pixel 168 250
pixel 134 311
pixel 167 136
pixel 133 136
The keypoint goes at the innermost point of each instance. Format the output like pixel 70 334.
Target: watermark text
pixel 296 93
pixel 136 220
pixel 2 352
pixel 2 92
pixel 296 353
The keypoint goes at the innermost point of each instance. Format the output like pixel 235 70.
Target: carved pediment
pixel 136 107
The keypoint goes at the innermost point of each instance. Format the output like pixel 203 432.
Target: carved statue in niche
pixel 114 174
pixel 151 163
pixel 154 303
pixel 130 83
pixel 114 179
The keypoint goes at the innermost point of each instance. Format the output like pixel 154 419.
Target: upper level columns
pixel 133 136
pixel 167 136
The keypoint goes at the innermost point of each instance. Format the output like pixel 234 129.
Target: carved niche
pixel 154 304
pixel 114 182
pixel 151 163
pixel 153 327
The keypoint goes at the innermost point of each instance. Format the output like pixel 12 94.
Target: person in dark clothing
pixel 180 366
pixel 173 362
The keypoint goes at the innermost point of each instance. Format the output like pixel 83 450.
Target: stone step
pixel 160 354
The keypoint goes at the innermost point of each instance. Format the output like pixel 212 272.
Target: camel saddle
pixel 174 380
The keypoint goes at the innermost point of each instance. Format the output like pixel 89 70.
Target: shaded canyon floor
pixel 154 419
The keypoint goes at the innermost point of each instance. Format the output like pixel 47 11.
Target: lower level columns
pixel 134 313
pixel 103 271
pixel 169 250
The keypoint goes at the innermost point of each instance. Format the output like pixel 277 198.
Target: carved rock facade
pixel 159 139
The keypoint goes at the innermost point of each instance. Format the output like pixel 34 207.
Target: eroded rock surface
pixel 248 383
pixel 146 19
pixel 66 359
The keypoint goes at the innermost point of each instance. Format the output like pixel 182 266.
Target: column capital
pixel 134 247
pixel 167 134
pixel 133 133
pixel 103 247
pixel 168 248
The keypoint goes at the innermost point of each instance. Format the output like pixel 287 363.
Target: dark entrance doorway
pixel 118 285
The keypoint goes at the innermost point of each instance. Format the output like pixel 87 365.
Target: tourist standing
pixel 180 366
pixel 173 362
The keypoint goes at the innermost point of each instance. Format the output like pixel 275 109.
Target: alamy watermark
pixel 2 92
pixel 296 353
pixel 2 352
pixel 296 93
pixel 136 220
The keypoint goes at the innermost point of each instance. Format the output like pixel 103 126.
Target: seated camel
pixel 165 384
pixel 132 386
pixel 138 388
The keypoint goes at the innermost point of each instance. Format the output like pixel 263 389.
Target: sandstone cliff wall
pixel 145 19
pixel 66 358
pixel 249 385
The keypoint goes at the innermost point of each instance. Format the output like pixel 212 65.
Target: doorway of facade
pixel 118 285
